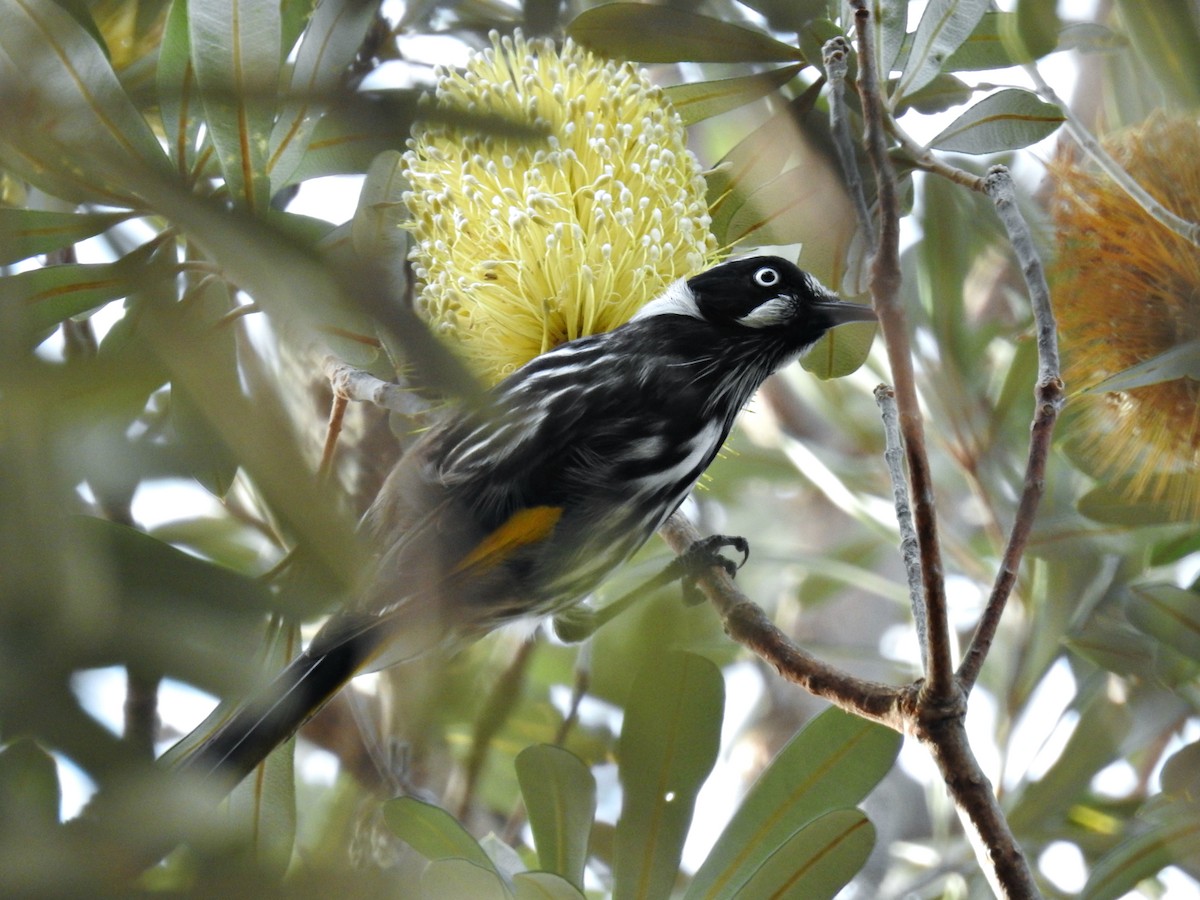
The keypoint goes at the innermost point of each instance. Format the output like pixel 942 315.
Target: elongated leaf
pixel 1094 743
pixel 544 886
pixel 376 227
pixel 663 34
pixel 668 746
pixel 433 832
pixel 560 795
pixel 817 861
pixel 28 232
pixel 1169 614
pixel 263 807
pixel 889 21
pixel 1178 362
pixel 944 26
pixel 1033 30
pixel 64 109
pixel 800 207
pixel 44 297
pixel 178 94
pixel 833 763
pixel 453 878
pixel 1006 120
pixel 986 47
pixel 944 92
pixel 327 48
pixel 1146 854
pixel 753 161
pixel 840 351
pixel 236 54
pixel 1165 35
pixel 699 100
pixel 29 789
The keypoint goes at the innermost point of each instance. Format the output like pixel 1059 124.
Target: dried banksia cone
pixel 1127 291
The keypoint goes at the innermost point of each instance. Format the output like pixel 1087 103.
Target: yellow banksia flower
pixel 523 244
pixel 1127 290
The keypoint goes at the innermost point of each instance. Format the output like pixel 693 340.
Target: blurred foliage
pixel 162 318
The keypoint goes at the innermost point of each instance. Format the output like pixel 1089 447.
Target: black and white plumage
pixel 523 506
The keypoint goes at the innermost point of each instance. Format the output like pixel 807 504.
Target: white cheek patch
pixel 775 311
pixel 677 300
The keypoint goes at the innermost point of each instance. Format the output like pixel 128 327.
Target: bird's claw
pixel 705 554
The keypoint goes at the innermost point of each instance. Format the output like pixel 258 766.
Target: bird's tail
pixel 236 745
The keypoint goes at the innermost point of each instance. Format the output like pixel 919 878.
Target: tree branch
pixel 747 624
pixel 885 289
pixel 1049 395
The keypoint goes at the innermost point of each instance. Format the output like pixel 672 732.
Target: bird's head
pixel 765 296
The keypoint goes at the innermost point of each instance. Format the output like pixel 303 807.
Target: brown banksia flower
pixel 1127 290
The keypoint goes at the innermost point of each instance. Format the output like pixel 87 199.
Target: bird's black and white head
pixel 761 296
pixel 762 307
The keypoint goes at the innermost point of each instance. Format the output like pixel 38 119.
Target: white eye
pixel 766 277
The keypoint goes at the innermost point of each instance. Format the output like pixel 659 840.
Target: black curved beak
pixel 838 312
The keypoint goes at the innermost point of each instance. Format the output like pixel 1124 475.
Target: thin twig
pixel 355 384
pixel 885 289
pixel 1189 231
pixel 747 624
pixel 1049 396
pixel 835 54
pixel 910 552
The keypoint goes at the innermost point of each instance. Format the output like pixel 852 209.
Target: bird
pixel 521 505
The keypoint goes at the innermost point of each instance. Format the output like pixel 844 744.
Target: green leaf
pixel 889 22
pixel 43 298
pixel 433 832
pixel 210 459
pixel 170 611
pixel 668 746
pixel 1111 504
pixel 985 47
pixel 817 861
pixel 833 763
pixel 236 54
pixel 1115 648
pixel 665 34
pixel 1032 31
pixel 1167 613
pixel 68 118
pixel 1101 727
pixel 1178 362
pixel 796 207
pixel 1145 854
pixel 752 162
pixel 1166 36
pixel 840 350
pixel 452 878
pixel 349 137
pixel 560 796
pixel 262 809
pixel 179 101
pixel 699 100
pixel 942 93
pixel 376 227
pixel 28 232
pixel 29 789
pixel 544 886
pixel 327 48
pixel 944 26
pixel 1006 120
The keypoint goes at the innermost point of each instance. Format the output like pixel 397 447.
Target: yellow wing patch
pixel 524 527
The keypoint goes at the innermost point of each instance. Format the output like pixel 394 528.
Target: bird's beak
pixel 839 312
